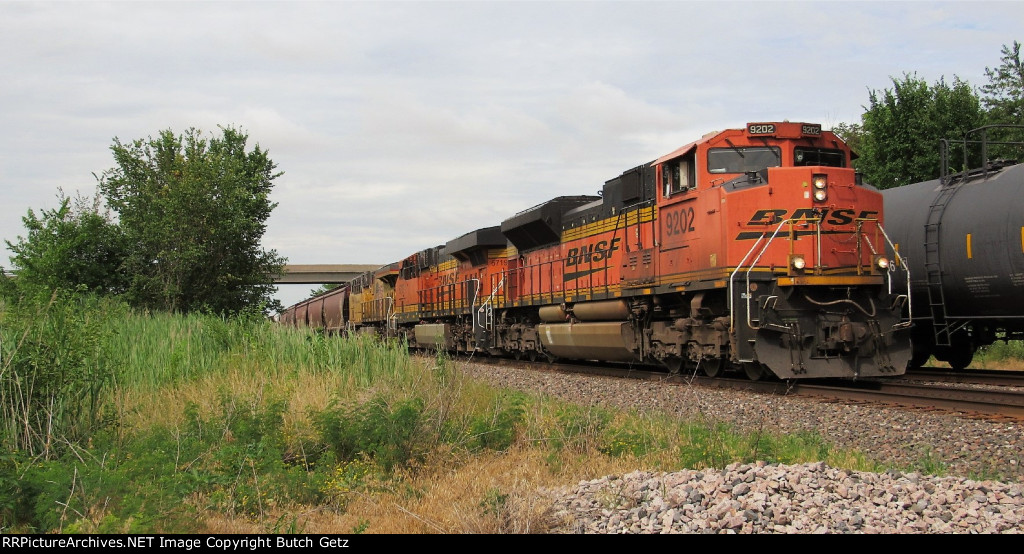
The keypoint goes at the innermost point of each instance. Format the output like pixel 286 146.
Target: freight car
pixel 963 237
pixel 757 250
pixel 328 311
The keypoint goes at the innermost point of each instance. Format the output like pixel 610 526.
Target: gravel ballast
pixel 806 498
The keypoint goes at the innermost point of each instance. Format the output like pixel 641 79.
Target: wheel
pixel 960 357
pixel 753 370
pixel 919 357
pixel 961 352
pixel 922 340
pixel 517 355
pixel 712 367
pixel 532 356
pixel 673 364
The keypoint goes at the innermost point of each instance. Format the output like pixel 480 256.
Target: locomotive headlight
pixel 797 261
pixel 820 183
pixel 880 264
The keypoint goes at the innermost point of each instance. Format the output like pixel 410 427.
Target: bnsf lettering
pixel 837 217
pixel 809 213
pixel 841 216
pixel 591 252
pixel 762 217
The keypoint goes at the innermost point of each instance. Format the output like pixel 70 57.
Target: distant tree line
pixel 175 225
pixel 898 137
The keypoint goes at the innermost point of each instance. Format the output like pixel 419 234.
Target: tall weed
pixel 54 377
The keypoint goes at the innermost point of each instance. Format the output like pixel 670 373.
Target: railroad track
pixel 957 397
pixel 968 376
pixel 975 394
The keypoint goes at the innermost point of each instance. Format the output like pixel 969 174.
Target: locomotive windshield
pixel 819 156
pixel 742 160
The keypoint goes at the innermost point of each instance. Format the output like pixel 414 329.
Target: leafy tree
pixel 193 212
pixel 1003 97
pixel 70 247
pixel 901 129
pixel 851 133
pixel 326 287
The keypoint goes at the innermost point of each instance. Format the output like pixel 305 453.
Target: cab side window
pixel 677 177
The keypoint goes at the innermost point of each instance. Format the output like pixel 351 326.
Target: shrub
pixel 157 480
pixel 497 430
pixel 389 435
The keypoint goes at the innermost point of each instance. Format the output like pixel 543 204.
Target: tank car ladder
pixel 950 184
pixel 941 326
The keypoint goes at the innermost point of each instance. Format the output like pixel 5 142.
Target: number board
pixel 761 128
pixel 810 130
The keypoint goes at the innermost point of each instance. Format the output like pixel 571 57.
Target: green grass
pixel 154 350
pixel 196 417
pixel 1000 355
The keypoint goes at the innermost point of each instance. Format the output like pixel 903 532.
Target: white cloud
pixel 399 125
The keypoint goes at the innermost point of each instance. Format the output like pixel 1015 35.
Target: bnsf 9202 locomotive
pixel 756 250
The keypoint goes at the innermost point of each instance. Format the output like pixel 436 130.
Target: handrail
pixel 984 142
pixel 732 312
pixel 860 237
pixel 491 297
pixel 901 262
pixel 754 264
pixel 476 295
pixel 390 316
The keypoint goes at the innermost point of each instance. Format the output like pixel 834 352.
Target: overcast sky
pixel 402 125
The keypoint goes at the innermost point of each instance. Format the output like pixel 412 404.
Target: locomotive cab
pixel 768 231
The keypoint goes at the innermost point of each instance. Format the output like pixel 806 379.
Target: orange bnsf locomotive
pixel 756 250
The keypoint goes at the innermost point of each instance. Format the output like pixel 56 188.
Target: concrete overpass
pixel 321 274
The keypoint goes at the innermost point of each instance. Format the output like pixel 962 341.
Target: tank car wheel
pixel 922 341
pixel 960 357
pixel 532 356
pixel 753 370
pixel 919 357
pixel 712 367
pixel 517 355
